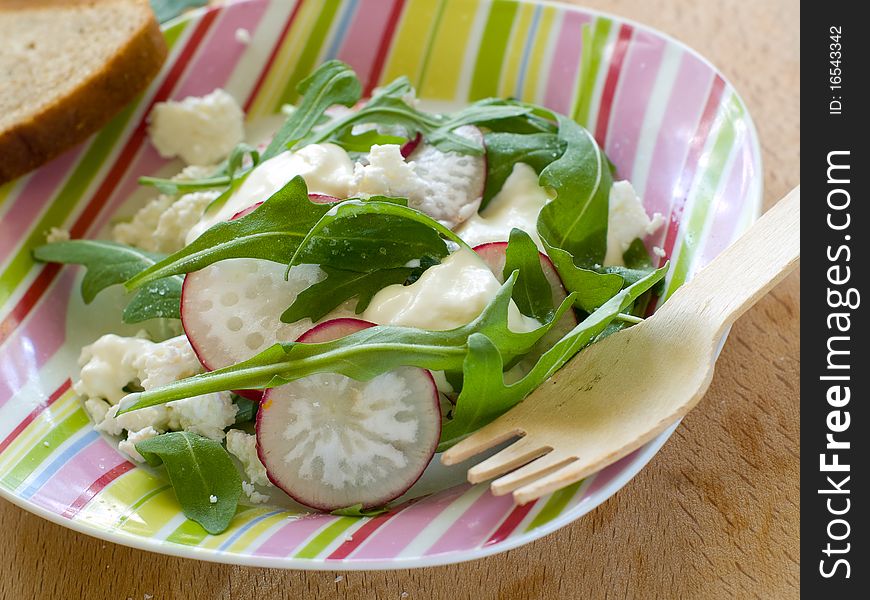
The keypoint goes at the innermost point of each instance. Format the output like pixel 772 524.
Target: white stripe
pixel 654 115
pixel 430 534
pixel 475 35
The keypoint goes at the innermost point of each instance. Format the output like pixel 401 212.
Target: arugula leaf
pixel 576 220
pixel 532 292
pixel 334 82
pixel 636 257
pixel 592 288
pixel 318 300
pixel 272 231
pixel 357 510
pixel 109 263
pixel 246 410
pixel 362 355
pixel 199 469
pixel 485 395
pixel 371 234
pixel 504 150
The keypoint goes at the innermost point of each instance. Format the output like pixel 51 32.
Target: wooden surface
pixel 714 515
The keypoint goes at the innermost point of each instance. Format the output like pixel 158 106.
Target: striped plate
pixel 668 119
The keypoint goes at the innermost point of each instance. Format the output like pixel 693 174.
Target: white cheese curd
pixel 168 361
pixel 56 234
pixel 517 204
pixel 627 221
pixel 207 415
pixel 128 446
pixel 244 447
pixel 153 416
pixel 163 224
pixel 326 169
pixel 386 174
pixel 446 296
pixel 253 495
pixel 199 130
pixel 107 366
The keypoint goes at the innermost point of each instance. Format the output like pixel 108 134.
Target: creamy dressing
pixel 516 205
pixel 326 168
pixel 446 296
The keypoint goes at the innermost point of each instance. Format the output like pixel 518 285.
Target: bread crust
pixel 72 118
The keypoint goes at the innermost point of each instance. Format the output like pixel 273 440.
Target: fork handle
pixel 745 271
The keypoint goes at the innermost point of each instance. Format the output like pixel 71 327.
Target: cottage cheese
pixel 207 415
pixel 163 224
pixel 128 446
pixel 107 366
pixel 244 447
pixel 199 130
pixel 627 221
pixel 253 495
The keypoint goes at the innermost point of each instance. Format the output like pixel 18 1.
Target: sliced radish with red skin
pixel 330 441
pixel 494 254
pixel 454 181
pixel 408 147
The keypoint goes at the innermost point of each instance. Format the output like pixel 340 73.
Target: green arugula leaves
pixel 532 292
pixel 110 263
pixel 203 475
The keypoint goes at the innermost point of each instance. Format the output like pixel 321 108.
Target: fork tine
pixel 481 440
pixel 536 469
pixel 515 455
pixel 564 476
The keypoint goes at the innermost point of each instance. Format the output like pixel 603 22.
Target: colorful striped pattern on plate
pixel 666 117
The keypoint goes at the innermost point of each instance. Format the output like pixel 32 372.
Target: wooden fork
pixel 621 392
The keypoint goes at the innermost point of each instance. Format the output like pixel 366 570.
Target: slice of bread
pixel 66 68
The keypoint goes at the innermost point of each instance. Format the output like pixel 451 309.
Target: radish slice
pixel 316 198
pixel 494 254
pixel 231 310
pixel 330 441
pixel 454 182
pixel 411 145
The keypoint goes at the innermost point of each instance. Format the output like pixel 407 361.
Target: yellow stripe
pixel 6 190
pixel 115 499
pixel 539 50
pixel 240 520
pixel 39 427
pixel 152 516
pixel 411 40
pixel 285 60
pixel 514 58
pixel 256 531
pixel 447 54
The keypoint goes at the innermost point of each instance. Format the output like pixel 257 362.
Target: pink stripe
pixel 678 127
pixel 37 340
pixel 209 68
pixel 359 48
pixel 566 62
pixel 75 477
pixel 284 541
pixel 395 536
pixel 32 199
pixel 729 205
pixel 633 99
pixel 475 525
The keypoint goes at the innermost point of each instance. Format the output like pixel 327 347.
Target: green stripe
pixel 326 537
pixel 708 182
pixel 430 42
pixel 44 448
pixel 493 45
pixel 594 41
pixel 554 506
pixel 70 196
pixel 136 505
pixel 314 42
pixel 191 533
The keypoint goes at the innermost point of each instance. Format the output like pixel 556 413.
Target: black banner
pixel 835 55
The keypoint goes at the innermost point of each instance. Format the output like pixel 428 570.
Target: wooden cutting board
pixel 714 515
